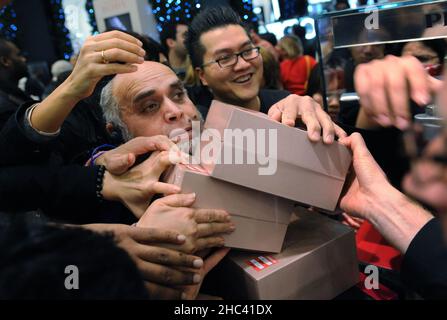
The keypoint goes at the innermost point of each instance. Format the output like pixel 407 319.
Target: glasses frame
pixel 237 55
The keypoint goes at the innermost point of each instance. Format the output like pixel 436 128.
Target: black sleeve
pixel 67 192
pixel 424 268
pixel 17 148
pixel 268 97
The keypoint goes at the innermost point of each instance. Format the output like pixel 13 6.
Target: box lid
pixel 235 199
pixel 293 145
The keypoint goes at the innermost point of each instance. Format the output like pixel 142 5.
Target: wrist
pixel 110 187
pixel 67 93
pixel 398 219
pixel 70 91
pixel 384 201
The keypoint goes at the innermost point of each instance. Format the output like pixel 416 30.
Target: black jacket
pixel 424 268
pixel 34 176
pixel 10 99
pixel 202 98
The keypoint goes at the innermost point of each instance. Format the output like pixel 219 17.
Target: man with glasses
pixel 229 64
pixel 12 69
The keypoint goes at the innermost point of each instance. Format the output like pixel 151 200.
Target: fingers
pixel 310 119
pixel 117 164
pixel 164 188
pixel 159 162
pixel 168 257
pixel 209 242
pixel 119 160
pixel 434 84
pixel 112 68
pixel 165 275
pixel 159 292
pixel 153 235
pixel 312 115
pixel 161 143
pixel 209 229
pixel 396 89
pixel 211 215
pixel 116 55
pixel 143 145
pixel 379 99
pixel 116 43
pixel 356 143
pixel 394 81
pixel 362 81
pixel 418 80
pixel 352 222
pixel 289 110
pixel 116 35
pixel 326 124
pixel 275 112
pixel 339 132
pixel 178 200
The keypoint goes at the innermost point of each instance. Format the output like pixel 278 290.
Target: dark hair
pixel 169 31
pixel 207 20
pixel 271 74
pixel 34 257
pixel 437 45
pixel 5 47
pixel 270 37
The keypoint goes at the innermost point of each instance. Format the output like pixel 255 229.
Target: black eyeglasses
pixel 231 59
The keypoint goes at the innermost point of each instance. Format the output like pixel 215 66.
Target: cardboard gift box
pixel 261 219
pixel 318 261
pixel 271 157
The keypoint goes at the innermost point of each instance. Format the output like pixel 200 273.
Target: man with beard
pixel 12 69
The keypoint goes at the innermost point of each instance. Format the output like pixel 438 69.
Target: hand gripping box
pixel 249 149
pixel 318 261
pixel 261 219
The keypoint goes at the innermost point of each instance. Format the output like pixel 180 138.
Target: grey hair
pixel 111 111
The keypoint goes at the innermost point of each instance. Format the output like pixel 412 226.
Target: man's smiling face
pixel 238 84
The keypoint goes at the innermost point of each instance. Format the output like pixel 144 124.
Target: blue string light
pixel 185 10
pixel 91 15
pixel 174 10
pixel 60 33
pixel 8 27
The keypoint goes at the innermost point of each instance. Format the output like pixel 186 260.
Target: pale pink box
pixel 261 219
pixel 307 172
pixel 318 261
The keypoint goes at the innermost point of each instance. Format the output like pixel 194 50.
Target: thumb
pixel 275 113
pixel 117 164
pixel 357 145
pixel 161 161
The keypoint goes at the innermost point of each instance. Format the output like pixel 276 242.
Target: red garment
pixel 295 74
pixel 372 248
